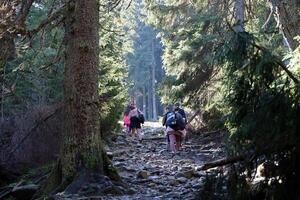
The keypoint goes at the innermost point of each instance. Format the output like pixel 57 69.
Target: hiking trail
pixel 152 172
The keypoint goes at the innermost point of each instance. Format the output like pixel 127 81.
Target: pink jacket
pixel 126 120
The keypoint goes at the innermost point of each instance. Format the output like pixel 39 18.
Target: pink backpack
pixel 126 120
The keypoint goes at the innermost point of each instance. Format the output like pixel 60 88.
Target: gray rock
pixel 151 184
pixel 171 177
pixel 182 179
pixel 174 182
pixel 176 157
pixel 184 191
pixel 172 195
pixel 154 177
pixel 197 186
pixel 163 189
pixel 179 174
pixel 187 174
pixel 114 190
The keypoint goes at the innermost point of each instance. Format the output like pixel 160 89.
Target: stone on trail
pixel 182 179
pixel 151 184
pixel 174 182
pixel 142 174
pixel 189 174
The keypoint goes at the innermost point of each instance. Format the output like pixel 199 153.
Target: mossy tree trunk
pixel 82 148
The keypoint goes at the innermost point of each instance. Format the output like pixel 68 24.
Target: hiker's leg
pixel 184 137
pixel 167 139
pixel 128 129
pixel 172 138
pixel 133 132
pixel 168 142
pixel 139 134
pixel 178 142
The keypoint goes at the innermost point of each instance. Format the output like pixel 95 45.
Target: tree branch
pixel 25 8
pixel 55 15
pixel 277 60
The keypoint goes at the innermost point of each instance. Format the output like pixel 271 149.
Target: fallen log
pixel 222 162
pixel 244 157
pixel 206 134
pixel 154 138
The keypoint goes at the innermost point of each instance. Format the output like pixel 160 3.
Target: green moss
pixel 37 171
pixel 53 181
pixel 92 160
pixel 109 169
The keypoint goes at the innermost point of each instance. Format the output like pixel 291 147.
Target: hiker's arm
pixel 164 120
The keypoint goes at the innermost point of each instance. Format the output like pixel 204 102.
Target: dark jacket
pixel 165 118
pixel 182 112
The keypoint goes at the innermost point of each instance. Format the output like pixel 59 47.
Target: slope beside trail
pixel 152 172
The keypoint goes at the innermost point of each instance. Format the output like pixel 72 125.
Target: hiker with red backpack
pixel 136 119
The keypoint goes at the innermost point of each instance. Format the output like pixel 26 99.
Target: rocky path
pixel 152 172
pixel 147 169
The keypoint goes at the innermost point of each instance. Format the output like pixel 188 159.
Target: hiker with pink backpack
pixel 136 119
pixel 126 120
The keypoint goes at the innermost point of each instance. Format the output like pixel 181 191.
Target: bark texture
pixel 153 80
pixel 287 15
pixel 239 7
pixel 82 148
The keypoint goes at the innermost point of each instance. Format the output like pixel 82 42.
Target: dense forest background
pixel 234 65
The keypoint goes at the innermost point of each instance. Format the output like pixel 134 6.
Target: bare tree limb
pixel 264 26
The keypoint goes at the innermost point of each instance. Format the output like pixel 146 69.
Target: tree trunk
pixel 2 65
pixel 82 147
pixel 286 14
pixel 82 155
pixel 149 104
pixel 144 100
pixel 239 8
pixel 154 114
